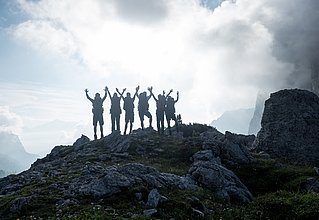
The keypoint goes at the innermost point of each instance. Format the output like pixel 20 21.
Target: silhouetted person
pixel 160 109
pixel 115 110
pixel 97 110
pixel 170 112
pixel 129 108
pixel 143 107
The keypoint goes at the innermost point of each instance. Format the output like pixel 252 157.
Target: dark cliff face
pixel 290 126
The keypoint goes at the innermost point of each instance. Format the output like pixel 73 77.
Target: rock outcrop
pixel 209 172
pixel 290 127
pixel 231 148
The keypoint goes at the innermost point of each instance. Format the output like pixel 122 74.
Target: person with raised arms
pixel 97 110
pixel 170 111
pixel 160 109
pixel 129 108
pixel 143 108
pixel 115 110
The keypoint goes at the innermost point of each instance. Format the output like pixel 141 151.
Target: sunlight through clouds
pixel 219 54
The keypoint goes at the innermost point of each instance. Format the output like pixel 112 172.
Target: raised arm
pixel 121 94
pixel 136 93
pixel 105 94
pixel 108 91
pixel 177 97
pixel 170 91
pixel 87 95
pixel 151 92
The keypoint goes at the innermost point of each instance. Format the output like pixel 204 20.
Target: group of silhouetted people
pixel 165 105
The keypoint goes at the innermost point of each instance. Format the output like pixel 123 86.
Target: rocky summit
pixel 199 173
pixel 290 127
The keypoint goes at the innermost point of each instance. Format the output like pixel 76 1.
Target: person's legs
pixel 95 137
pixel 126 121
pixel 131 120
pixel 168 119
pixel 117 119
pixel 162 122
pixel 94 126
pixel 113 122
pixel 158 122
pixel 176 122
pixel 131 126
pixel 141 114
pixel 125 127
pixel 101 129
pixel 148 114
pixel 101 122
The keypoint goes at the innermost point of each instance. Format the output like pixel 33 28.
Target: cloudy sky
pixel 218 54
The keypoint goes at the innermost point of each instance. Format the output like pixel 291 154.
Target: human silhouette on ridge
pixel 160 109
pixel 115 110
pixel 129 108
pixel 97 110
pixel 143 108
pixel 170 111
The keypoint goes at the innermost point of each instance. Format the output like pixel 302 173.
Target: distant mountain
pixel 236 121
pixel 13 157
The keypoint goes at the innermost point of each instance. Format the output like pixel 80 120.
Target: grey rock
pixel 212 175
pixel 204 155
pixel 80 142
pixel 232 149
pixel 149 212
pixel 111 183
pixel 116 142
pixel 290 127
pixel 153 198
pixel 112 180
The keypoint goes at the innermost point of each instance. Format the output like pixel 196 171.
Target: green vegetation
pixel 168 155
pixel 266 176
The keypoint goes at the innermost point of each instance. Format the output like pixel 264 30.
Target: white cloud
pixel 9 121
pixel 219 60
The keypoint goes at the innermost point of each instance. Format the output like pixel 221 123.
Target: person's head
pixel 160 96
pixel 143 94
pixel 97 95
pixel 128 94
pixel 115 95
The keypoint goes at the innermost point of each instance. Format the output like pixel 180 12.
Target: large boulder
pixel 290 127
pixel 231 148
pixel 208 171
